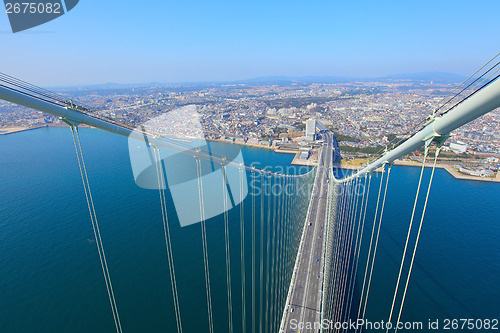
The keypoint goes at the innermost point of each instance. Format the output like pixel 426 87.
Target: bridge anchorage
pixel 305 248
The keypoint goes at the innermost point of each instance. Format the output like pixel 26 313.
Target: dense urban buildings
pixel 364 115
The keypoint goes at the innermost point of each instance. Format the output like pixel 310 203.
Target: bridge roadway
pixel 304 299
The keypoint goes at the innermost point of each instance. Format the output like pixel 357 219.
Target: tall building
pixel 311 129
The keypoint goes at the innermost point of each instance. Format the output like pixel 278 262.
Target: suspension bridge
pixel 300 236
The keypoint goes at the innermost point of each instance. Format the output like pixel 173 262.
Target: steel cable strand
pixel 461 84
pixel 289 237
pixel 338 235
pixel 326 256
pixel 273 258
pixel 350 267
pixel 418 234
pixel 376 241
pixel 362 217
pixel 285 224
pixel 347 221
pixel 426 150
pixel 253 250
pixel 270 207
pixel 278 258
pixel 95 227
pixel 228 252
pixel 279 268
pixel 168 243
pixel 242 255
pixel 346 269
pixel 291 232
pixel 261 255
pixel 368 257
pixel 340 253
pixel 333 208
pixel 204 244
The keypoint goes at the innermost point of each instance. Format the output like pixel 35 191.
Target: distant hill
pixel 428 76
pixel 422 76
pixel 281 80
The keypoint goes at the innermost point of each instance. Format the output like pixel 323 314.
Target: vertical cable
pixel 362 217
pixel 95 227
pixel 261 254
pixel 228 252
pixel 253 251
pixel 438 149
pixel 168 242
pixel 370 246
pixel 426 150
pixel 242 255
pixel 376 239
pixel 205 247
pixel 268 252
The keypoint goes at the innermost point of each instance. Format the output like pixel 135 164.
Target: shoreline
pixel 296 160
pixel 452 171
pixel 449 168
pixel 311 161
pixel 18 129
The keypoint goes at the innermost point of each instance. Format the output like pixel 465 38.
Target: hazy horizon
pixel 129 42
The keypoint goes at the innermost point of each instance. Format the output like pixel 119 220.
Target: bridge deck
pixel 304 302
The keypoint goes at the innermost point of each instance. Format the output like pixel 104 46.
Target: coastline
pixel 449 168
pixel 18 129
pixel 311 161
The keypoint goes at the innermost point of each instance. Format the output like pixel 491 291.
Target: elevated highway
pixel 303 307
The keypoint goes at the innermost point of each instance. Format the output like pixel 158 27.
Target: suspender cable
pixel 362 217
pixel 338 233
pixel 205 248
pixel 281 285
pixel 368 257
pixel 341 254
pixel 347 221
pixel 340 251
pixel 286 267
pixel 376 240
pixel 273 259
pixel 168 243
pixel 242 255
pixel 347 266
pixel 253 251
pixel 276 254
pixel 426 150
pixel 438 149
pixel 268 251
pixel 95 227
pixel 261 255
pixel 228 252
pixel 333 201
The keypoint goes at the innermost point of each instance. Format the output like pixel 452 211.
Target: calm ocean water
pixel 50 277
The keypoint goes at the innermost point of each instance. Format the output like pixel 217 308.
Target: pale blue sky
pixel 166 41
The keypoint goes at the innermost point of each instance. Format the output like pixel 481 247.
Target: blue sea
pixel 51 279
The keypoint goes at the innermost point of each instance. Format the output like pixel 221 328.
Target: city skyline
pixel 97 43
